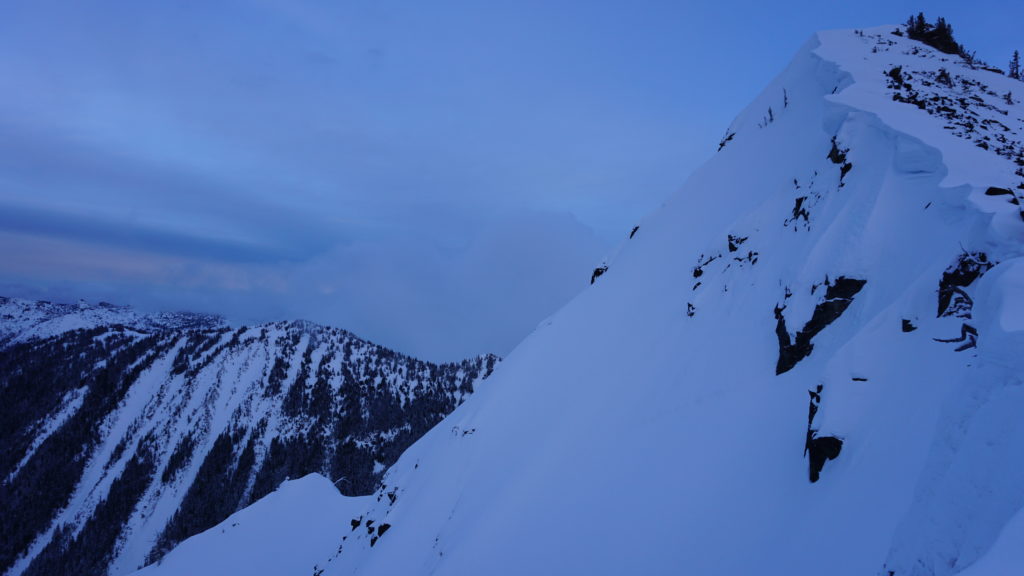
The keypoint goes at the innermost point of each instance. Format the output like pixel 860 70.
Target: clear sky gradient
pixel 436 176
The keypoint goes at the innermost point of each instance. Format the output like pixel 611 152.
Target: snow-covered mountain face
pixel 122 433
pixel 809 361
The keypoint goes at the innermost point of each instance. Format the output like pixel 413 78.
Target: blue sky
pixel 436 176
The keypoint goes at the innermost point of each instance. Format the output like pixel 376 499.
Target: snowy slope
pixel 248 542
pixel 121 433
pixel 1006 556
pixel 807 362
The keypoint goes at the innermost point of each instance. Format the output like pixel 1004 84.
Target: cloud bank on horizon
pixel 437 178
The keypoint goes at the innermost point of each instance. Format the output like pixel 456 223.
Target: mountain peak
pixel 648 428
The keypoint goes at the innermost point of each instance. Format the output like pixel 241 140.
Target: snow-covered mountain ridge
pixel 22 320
pixel 123 433
pixel 807 362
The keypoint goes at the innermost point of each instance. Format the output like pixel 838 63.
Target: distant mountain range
pixel 123 433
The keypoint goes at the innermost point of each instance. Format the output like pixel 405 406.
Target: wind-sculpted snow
pixel 122 434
